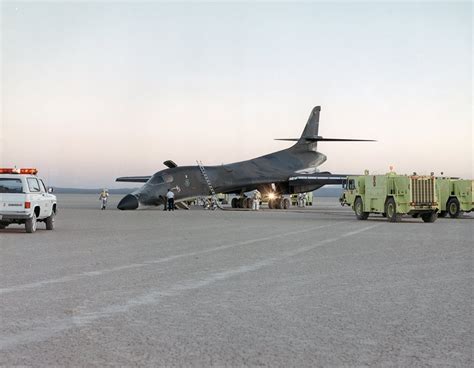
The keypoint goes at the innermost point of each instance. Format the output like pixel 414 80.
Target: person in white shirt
pixel 104 195
pixel 170 197
pixel 301 199
pixel 256 200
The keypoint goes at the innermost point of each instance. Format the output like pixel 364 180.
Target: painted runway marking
pixel 155 296
pixel 78 276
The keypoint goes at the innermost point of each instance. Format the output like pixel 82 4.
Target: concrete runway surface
pixel 312 287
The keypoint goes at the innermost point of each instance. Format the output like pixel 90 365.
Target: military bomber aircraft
pixel 292 170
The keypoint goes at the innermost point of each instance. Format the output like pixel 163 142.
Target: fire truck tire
pixel 50 221
pixel 453 208
pixel 442 214
pixel 359 209
pixel 391 211
pixel 286 203
pixel 30 224
pixel 429 217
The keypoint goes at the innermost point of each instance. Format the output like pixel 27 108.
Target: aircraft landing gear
pixel 279 203
pixel 242 202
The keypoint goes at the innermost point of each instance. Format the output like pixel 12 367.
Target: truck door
pixel 36 196
pixel 47 198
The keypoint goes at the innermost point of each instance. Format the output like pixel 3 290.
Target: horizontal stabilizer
pixel 321 139
pixel 133 179
pixel 170 163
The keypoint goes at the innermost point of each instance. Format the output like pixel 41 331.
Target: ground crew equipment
pixel 392 196
pixel 209 184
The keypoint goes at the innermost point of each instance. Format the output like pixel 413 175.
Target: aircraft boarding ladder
pixel 214 199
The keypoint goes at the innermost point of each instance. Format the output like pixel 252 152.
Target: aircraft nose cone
pixel 129 202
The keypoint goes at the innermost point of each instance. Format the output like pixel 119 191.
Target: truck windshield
pixel 11 186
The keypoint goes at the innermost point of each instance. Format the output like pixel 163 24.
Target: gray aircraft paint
pixel 258 173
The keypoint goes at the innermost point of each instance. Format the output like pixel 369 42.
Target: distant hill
pixel 91 191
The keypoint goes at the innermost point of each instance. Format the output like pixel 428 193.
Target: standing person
pixel 103 196
pixel 301 200
pixel 170 197
pixel 256 200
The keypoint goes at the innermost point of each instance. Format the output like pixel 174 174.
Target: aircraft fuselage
pixel 259 173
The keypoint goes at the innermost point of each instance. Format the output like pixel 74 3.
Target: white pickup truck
pixel 24 199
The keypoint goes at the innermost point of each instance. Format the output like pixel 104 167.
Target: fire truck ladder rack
pixel 214 199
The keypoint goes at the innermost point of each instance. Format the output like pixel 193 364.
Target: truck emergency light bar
pixel 30 171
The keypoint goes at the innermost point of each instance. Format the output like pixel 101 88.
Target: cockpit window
pixel 160 179
pixel 157 179
pixel 168 178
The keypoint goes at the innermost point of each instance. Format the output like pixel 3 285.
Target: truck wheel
pixel 453 208
pixel 429 217
pixel 50 221
pixel 391 211
pixel 286 203
pixel 30 224
pixel 442 214
pixel 359 209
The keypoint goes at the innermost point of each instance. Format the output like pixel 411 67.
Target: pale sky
pixel 95 90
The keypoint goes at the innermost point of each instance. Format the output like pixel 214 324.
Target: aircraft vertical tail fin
pixel 311 130
pixel 312 126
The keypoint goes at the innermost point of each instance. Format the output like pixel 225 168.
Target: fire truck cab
pixel 25 199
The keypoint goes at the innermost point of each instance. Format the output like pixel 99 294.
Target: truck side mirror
pixel 50 190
